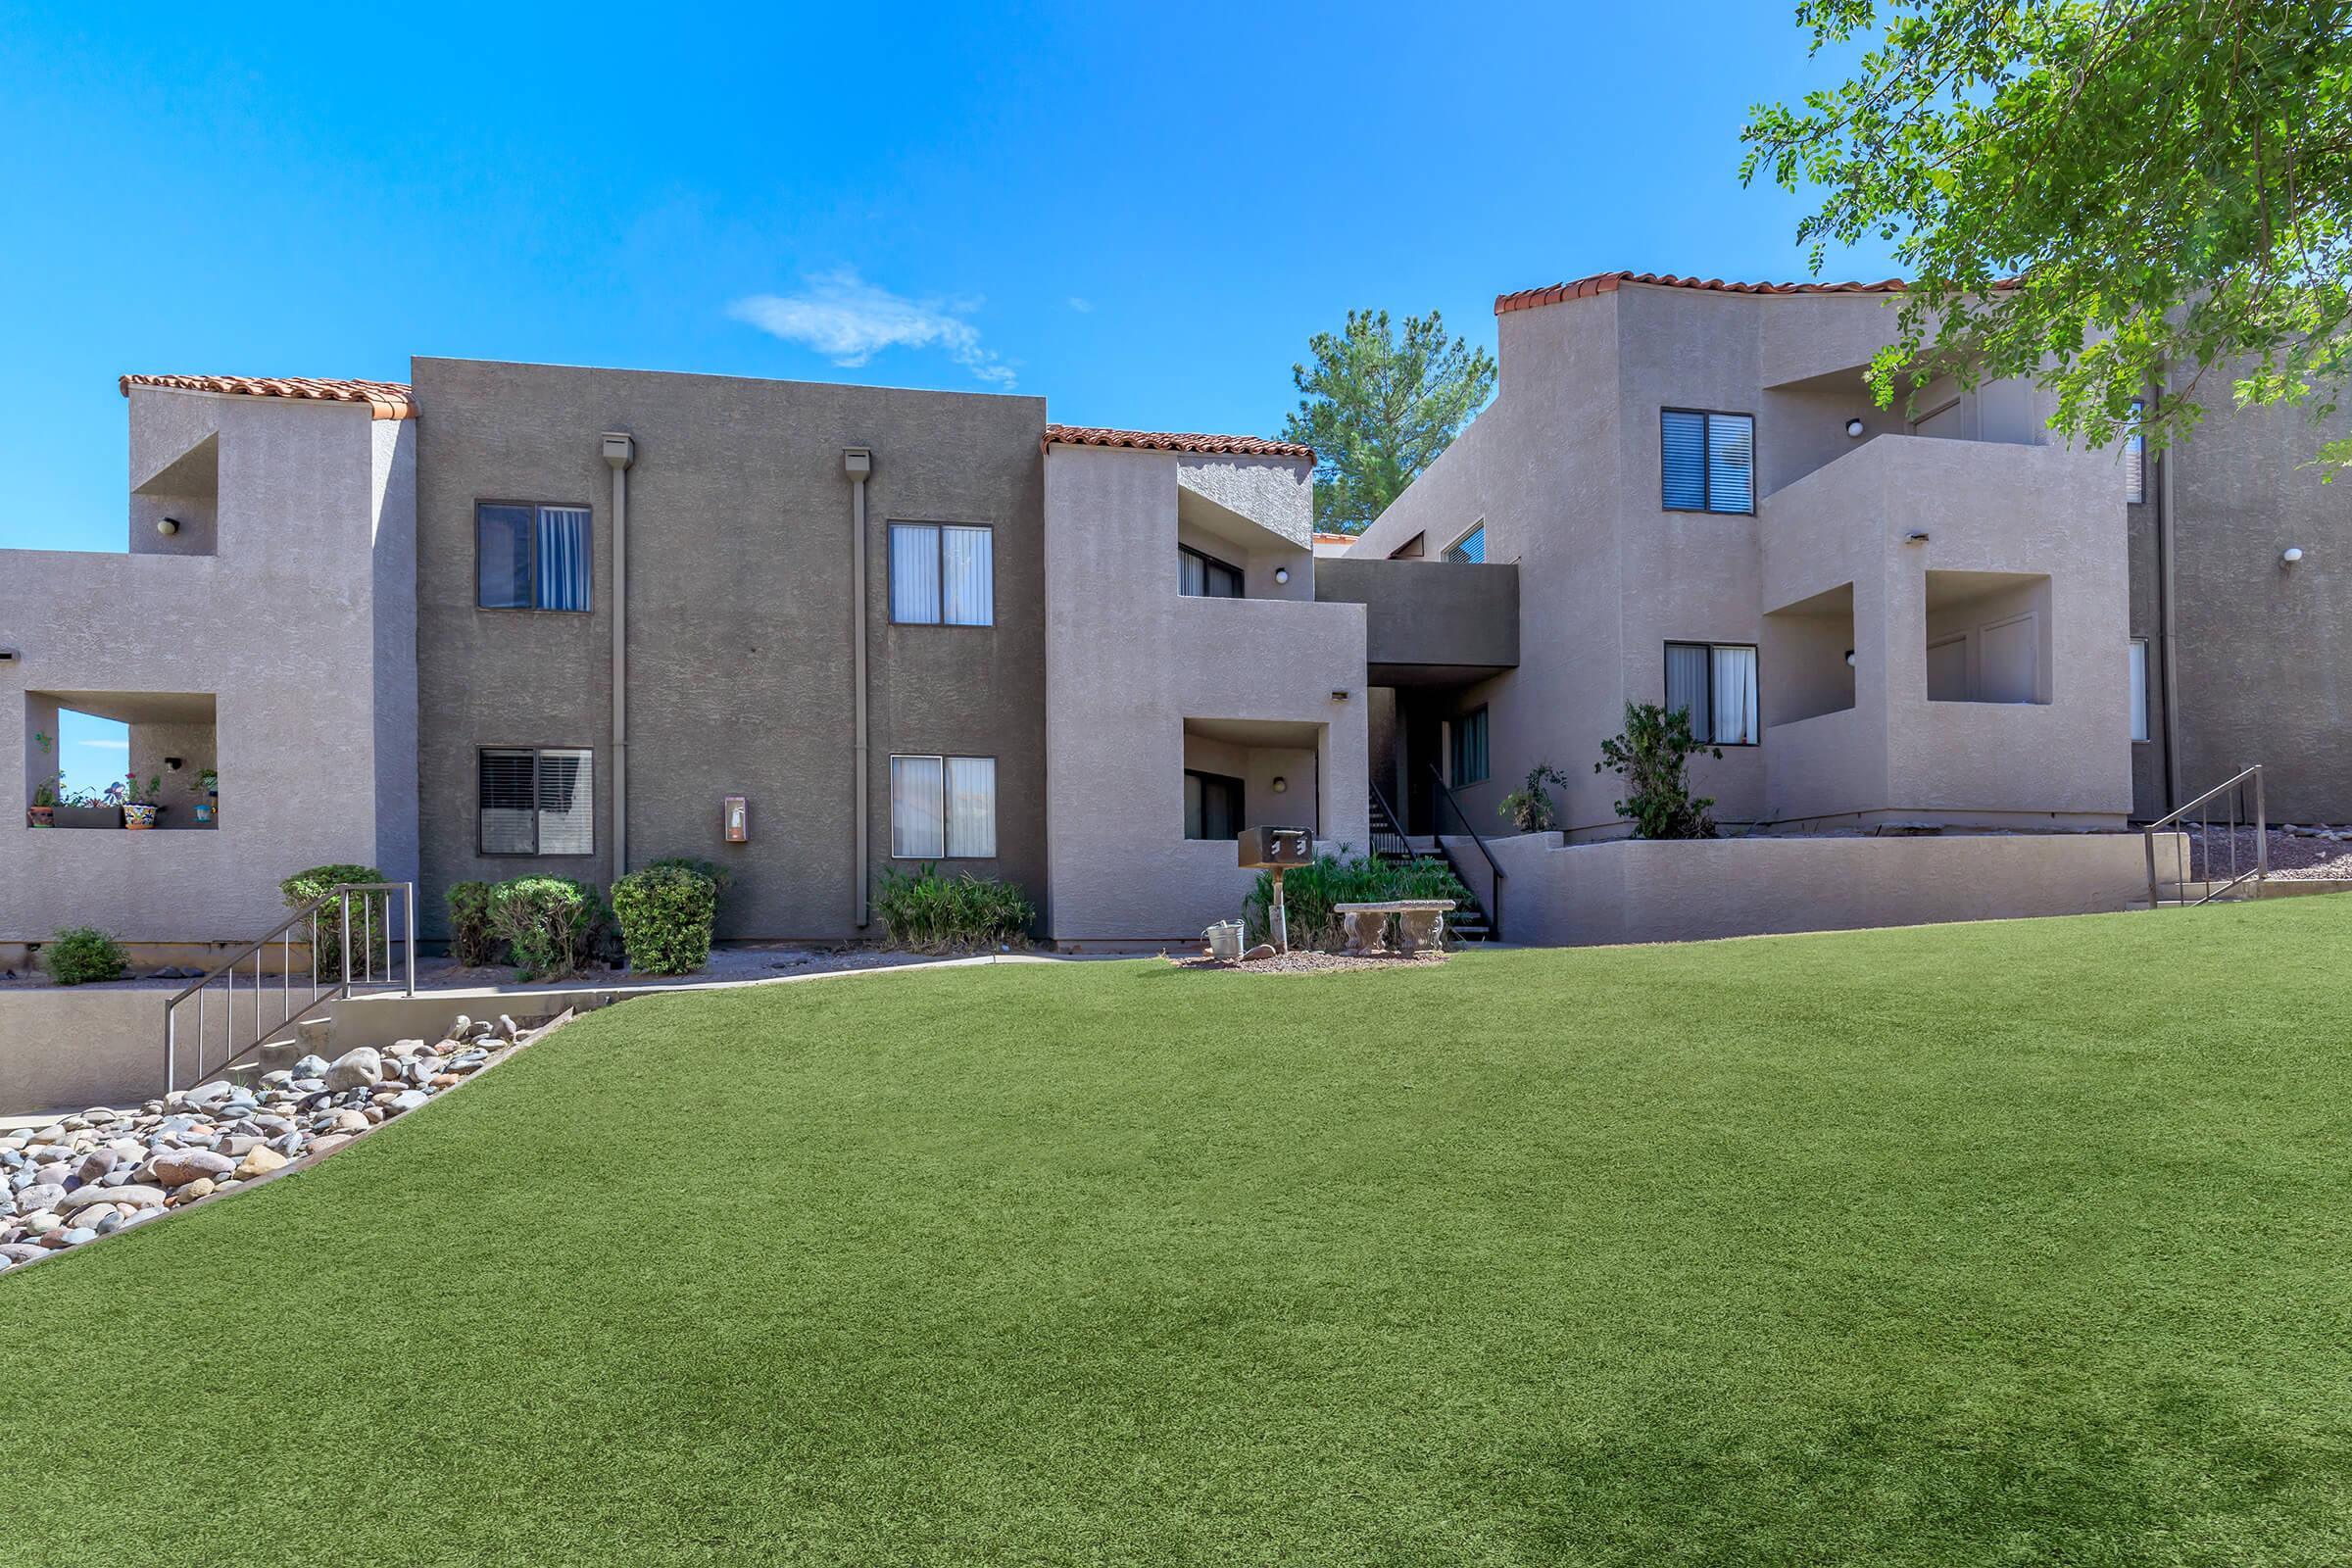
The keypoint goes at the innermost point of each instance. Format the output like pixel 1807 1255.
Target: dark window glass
pixel 503 556
pixel 1212 806
pixel 1470 748
pixel 1201 576
pixel 537 801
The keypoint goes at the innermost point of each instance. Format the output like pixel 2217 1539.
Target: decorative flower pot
pixel 42 815
pixel 204 813
pixel 89 817
pixel 139 816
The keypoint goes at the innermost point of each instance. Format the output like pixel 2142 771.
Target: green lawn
pixel 1998 1244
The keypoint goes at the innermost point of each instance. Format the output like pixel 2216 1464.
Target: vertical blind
pixel 943 808
pixel 1688 674
pixel 562 557
pixel 1708 460
pixel 941 575
pixel 1199 576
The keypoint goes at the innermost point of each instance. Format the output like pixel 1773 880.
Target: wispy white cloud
pixel 108 746
pixel 1084 307
pixel 848 320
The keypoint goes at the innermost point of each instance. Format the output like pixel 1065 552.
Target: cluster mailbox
pixel 1272 848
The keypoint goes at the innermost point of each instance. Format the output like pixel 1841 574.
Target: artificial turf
pixel 2022 1243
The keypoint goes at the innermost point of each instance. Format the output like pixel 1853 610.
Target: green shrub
pixel 551 925
pixel 81 954
pixel 1530 807
pixel 665 912
pixel 471 942
pixel 931 913
pixel 1653 756
pixel 371 930
pixel 1310 892
pixel 717 875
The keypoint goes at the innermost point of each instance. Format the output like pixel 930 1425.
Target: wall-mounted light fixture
pixel 735 820
pixel 1282 575
pixel 168 526
pixel 171 764
pixel 1339 696
pixel 1853 427
pixel 2290 555
pixel 1281 785
pixel 1849 659
pixel 1920 538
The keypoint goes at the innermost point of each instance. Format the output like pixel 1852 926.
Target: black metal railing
pixel 1387 834
pixel 1445 802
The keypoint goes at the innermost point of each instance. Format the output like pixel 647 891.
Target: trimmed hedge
pixel 930 912
pixel 551 925
pixel 79 954
pixel 471 942
pixel 326 959
pixel 665 912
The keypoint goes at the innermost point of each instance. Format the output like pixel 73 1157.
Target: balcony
pixel 1428 623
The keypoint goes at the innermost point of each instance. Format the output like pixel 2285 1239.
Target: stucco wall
pixel 1635 890
pixel 739 622
pixel 1128 661
pixel 279 621
pixel 69 1048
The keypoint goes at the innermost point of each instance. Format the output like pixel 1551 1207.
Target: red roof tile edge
pixel 385 400
pixel 1585 288
pixel 1222 446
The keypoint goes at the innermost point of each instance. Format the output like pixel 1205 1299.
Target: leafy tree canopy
pixel 1379 410
pixel 2096 194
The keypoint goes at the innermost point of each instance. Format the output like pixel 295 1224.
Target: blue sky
pixel 1140 213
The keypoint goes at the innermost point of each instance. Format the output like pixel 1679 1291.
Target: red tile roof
pixel 1323 538
pixel 387 400
pixel 1583 288
pixel 1223 446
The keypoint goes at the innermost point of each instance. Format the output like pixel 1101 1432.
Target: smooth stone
pixel 260 1160
pixel 94 1164
pixel 310 1067
pixel 201 1187
pixel 42 1195
pixel 356 1069
pixel 43 1222
pixel 350 1122
pixel 330 1143
pixel 204 1097
pixel 238 1145
pixel 19 1251
pixel 136 1197
pixel 289 1145
pixel 79 1235
pixel 410 1099
pixel 189 1164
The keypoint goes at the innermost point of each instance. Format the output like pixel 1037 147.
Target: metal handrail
pixel 1445 797
pixel 1388 833
pixel 2232 792
pixel 317 994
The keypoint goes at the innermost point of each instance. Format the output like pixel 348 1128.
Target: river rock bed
pixel 103 1170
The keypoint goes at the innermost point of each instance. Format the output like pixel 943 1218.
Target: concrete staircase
pixel 1468 922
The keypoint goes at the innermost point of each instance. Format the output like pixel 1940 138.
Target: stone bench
pixel 1420 923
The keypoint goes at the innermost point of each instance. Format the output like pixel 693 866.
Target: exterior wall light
pixel 1920 538
pixel 168 526
pixel 1849 659
pixel 1853 427
pixel 1281 785
pixel 1339 696
pixel 2290 555
pixel 1282 575
pixel 735 820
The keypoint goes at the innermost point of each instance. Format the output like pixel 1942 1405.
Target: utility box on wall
pixel 1275 847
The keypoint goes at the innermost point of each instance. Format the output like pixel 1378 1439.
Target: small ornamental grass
pixel 1311 895
pixel 933 914
pixel 81 955
pixel 666 914
pixel 553 925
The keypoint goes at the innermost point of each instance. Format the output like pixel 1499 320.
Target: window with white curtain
pixel 941 575
pixel 2138 654
pixel 943 808
pixel 1708 460
pixel 531 557
pixel 537 800
pixel 1716 682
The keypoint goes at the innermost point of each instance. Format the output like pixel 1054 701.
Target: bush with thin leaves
pixel 370 919
pixel 551 924
pixel 471 942
pixel 665 911
pixel 1312 892
pixel 933 914
pixel 1653 756
pixel 80 954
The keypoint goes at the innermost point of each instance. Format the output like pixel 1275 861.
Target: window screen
pixel 1470 547
pixel 1708 460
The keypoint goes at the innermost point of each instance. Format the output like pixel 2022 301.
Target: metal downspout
pixel 858 462
pixel 619 452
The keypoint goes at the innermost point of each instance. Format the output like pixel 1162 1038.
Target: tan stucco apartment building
pixel 507 618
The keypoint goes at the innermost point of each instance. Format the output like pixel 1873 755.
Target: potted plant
pixel 140 808
pixel 87 808
pixel 207 789
pixel 43 811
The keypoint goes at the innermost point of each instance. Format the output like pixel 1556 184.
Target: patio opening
pixel 1809 647
pixel 1988 637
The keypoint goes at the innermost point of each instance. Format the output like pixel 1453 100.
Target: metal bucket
pixel 1225 941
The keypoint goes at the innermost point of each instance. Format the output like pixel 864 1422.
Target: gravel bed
pixel 1312 963
pixel 82 1177
pixel 2297 854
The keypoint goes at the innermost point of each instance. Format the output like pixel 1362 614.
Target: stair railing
pixel 1446 801
pixel 329 982
pixel 1387 834
pixel 2238 803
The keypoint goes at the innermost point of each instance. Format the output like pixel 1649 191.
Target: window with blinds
pixel 1204 576
pixel 2140 688
pixel 1716 684
pixel 1469 749
pixel 943 808
pixel 941 575
pixel 1708 460
pixel 537 800
pixel 1212 806
pixel 1470 549
pixel 532 556
pixel 2135 459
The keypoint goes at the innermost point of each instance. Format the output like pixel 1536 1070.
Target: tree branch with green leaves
pixel 2111 198
pixel 1378 409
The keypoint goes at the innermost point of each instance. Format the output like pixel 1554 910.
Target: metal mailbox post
pixel 1276 850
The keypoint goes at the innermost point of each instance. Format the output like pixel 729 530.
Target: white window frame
pixel 939 532
pixel 1448 556
pixel 950 850
pixel 538 755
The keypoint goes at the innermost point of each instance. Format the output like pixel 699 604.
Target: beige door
pixel 2009 660
pixel 1947 670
